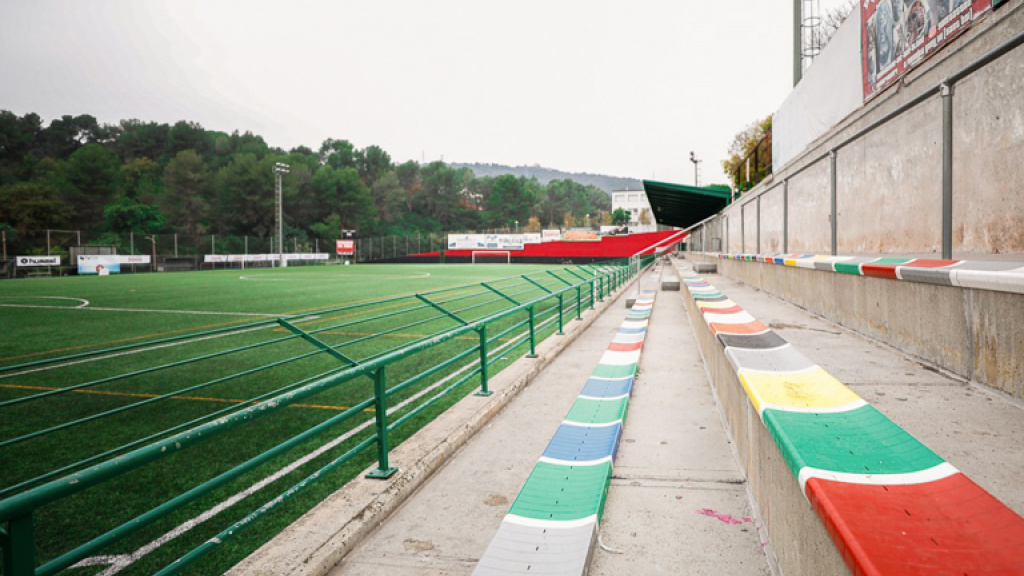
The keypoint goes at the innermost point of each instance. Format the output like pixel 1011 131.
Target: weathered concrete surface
pixel 975 334
pixel 889 190
pixel 979 431
pixel 669 279
pixel 675 470
pixel 706 268
pixel 322 537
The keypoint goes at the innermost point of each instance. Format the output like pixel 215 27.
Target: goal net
pixel 492 257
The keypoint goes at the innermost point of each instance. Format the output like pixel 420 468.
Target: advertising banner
pixel 582 236
pixel 133 259
pixel 898 34
pixel 102 265
pixel 614 230
pixel 485 241
pixel 224 258
pixel 550 235
pixel 345 247
pixel 532 238
pixel 38 260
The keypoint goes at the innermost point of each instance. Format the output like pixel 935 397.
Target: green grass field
pixel 65 415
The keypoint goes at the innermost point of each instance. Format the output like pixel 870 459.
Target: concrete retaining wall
pixel 975 334
pixel 889 189
pixel 801 544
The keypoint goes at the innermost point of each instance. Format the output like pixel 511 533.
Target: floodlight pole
pixel 279 169
pixel 798 63
pixel 696 161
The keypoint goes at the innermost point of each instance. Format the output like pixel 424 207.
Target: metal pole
pixel 4 234
pixel 79 233
pixel 533 335
pixel 279 169
pixel 483 362
pixel 579 303
pixel 19 547
pixel 380 408
pixel 785 216
pixel 561 321
pixel 47 242
pixel 946 90
pixel 175 244
pixel 131 243
pixel 798 65
pixel 757 246
pixel 832 163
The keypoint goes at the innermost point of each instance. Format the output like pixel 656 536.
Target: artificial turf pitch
pixel 48 318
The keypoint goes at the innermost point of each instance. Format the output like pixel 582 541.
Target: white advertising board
pixel 532 238
pixel 550 235
pixel 38 260
pixel 485 241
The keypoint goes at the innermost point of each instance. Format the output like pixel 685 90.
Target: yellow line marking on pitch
pixel 192 398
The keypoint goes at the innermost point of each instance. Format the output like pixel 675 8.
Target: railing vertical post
pixel 484 391
pixel 561 321
pixel 19 548
pixel 380 407
pixel 946 90
pixel 579 302
pixel 592 295
pixel 533 335
pixel 785 216
pixel 832 163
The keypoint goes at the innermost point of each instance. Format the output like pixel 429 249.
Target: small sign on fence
pixel 346 247
pixel 38 260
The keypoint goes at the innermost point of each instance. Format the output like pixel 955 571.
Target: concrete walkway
pixel 678 502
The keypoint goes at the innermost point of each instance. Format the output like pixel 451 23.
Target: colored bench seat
pixel 552 525
pixel 890 504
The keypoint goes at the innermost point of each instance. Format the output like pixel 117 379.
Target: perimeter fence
pixel 139 457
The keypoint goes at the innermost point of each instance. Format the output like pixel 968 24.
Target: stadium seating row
pixel 998 276
pixel 552 525
pixel 890 504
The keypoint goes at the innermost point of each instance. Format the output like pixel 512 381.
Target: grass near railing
pixel 121 403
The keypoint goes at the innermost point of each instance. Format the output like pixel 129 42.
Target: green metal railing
pixel 518 310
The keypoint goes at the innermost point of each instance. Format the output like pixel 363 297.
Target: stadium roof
pixel 681 205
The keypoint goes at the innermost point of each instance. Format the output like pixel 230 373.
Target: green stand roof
pixel 681 205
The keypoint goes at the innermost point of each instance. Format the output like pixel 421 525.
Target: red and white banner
pixel 345 247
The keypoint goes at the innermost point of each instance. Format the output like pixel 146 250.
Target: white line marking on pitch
pixel 336 277
pixel 121 561
pixel 148 310
pixel 83 301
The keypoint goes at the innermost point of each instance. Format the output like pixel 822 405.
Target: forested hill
pixel 113 181
pixel 545 175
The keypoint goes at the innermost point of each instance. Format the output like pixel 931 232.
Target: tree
pixel 755 138
pixel 31 206
pixel 342 192
pixel 620 217
pixel 140 179
pixel 92 173
pixel 645 216
pixel 389 197
pixel 371 163
pixel 129 215
pixel 511 200
pixel 186 183
pixel 337 153
pixel 244 197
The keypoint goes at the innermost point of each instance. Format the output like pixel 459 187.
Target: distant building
pixel 635 202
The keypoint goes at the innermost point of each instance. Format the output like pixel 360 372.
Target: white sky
pixel 619 88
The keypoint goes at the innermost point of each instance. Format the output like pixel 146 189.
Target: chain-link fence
pixel 166 252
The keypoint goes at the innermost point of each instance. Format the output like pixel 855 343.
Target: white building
pixel 635 202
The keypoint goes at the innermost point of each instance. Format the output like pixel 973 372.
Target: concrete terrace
pixel 679 499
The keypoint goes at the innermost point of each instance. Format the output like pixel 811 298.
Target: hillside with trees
pixel 136 177
pixel 545 175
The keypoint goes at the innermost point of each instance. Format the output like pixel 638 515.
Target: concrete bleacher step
pixel 889 503
pixel 669 279
pixel 551 527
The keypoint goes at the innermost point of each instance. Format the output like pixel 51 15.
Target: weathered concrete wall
pixel 801 544
pixel 771 221
pixel 889 183
pixel 976 334
pixel 988 208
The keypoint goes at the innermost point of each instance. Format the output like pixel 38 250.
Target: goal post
pixel 492 257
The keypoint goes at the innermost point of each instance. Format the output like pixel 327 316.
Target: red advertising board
pixel 896 35
pixel 346 247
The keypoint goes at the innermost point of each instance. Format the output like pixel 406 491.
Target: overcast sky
pixel 620 88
